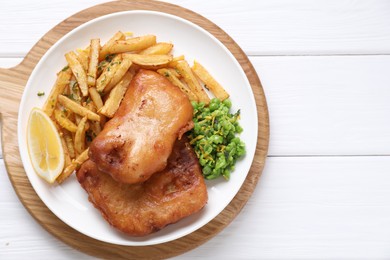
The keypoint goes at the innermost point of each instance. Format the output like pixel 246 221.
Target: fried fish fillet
pixel 138 141
pixel 142 208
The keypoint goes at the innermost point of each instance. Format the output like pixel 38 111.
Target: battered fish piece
pixel 138 141
pixel 143 208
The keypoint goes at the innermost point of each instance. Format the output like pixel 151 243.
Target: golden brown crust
pixel 140 209
pixel 137 142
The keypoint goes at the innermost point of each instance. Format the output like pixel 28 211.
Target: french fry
pixel 93 62
pixel 101 67
pixel 82 57
pixel 118 75
pixel 170 74
pixel 96 98
pixel 63 78
pixel 66 152
pixel 73 166
pixel 64 122
pixel 77 108
pixel 148 60
pixel 78 72
pixel 158 48
pixel 66 90
pixel 69 143
pixel 63 142
pixel 192 82
pixel 218 91
pixel 74 91
pixel 77 119
pixel 79 138
pixel 116 95
pixel 68 114
pixel 132 44
pixel 95 126
pixel 67 158
pixel 173 72
pixel 175 60
pixel 104 50
pixel 108 73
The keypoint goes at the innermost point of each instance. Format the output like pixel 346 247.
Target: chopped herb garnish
pixel 71 96
pixel 75 86
pixel 104 79
pixel 102 65
pixel 40 93
pixel 109 57
pixel 65 68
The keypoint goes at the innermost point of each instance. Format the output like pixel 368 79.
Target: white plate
pixel 69 202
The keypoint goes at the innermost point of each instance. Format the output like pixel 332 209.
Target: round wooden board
pixel 12 82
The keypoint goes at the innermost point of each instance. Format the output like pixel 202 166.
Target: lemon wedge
pixel 44 146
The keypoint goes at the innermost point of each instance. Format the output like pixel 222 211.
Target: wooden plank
pixel 41 16
pixel 303 208
pixel 302 27
pixel 260 27
pixel 327 105
pixel 312 208
pixel 1 147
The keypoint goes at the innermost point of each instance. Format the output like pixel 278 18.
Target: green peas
pixel 214 138
pixel 214 104
pixel 227 103
pixel 238 128
pixel 207 170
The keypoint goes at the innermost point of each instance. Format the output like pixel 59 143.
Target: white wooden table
pixel 325 69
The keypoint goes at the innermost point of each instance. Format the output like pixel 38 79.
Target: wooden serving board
pixel 12 83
